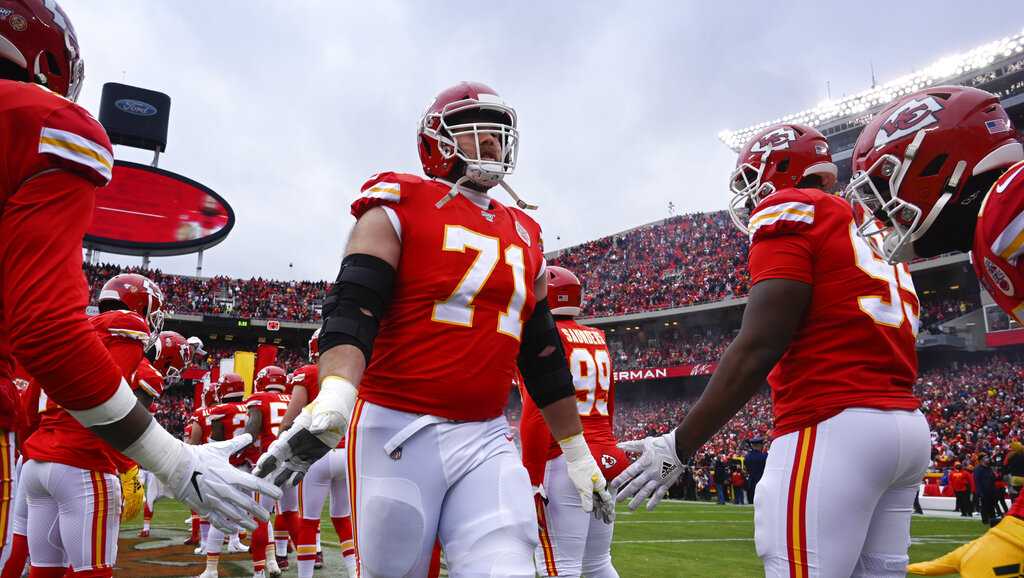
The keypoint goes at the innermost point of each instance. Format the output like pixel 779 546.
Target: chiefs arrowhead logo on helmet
pixel 777 139
pixel 910 117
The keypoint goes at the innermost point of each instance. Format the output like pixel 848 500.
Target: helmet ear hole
pixel 783 166
pixel 811 182
pixel 934 166
pixel 53 64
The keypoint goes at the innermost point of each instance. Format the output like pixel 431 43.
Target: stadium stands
pixel 682 260
pixel 252 298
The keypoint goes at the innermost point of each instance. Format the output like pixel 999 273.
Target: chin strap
pixel 519 202
pixel 454 192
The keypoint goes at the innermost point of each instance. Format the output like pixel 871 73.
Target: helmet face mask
pixel 476 118
pixel 882 215
pixel 748 191
pixel 920 161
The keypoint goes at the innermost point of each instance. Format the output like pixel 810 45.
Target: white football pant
pixel 419 477
pixel 836 498
pixel 72 512
pixel 572 542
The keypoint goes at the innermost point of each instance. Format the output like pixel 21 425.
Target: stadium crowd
pixel 671 347
pixel 937 310
pixel 246 298
pixel 971 408
pixel 693 258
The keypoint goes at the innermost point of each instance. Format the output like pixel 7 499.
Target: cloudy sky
pixel 285 108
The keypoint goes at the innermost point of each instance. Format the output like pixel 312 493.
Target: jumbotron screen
pixel 146 210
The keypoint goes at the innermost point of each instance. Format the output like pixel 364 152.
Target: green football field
pixel 677 539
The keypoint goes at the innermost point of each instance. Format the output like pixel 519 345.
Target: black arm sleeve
pixel 542 359
pixel 356 302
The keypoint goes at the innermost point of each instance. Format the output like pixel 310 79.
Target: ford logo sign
pixel 136 107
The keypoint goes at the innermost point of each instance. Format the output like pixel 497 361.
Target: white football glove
pixel 201 477
pixel 588 479
pixel 318 429
pixel 652 474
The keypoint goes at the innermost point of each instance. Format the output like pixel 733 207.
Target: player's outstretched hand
pixel 318 429
pixel 288 458
pixel 588 479
pixel 652 474
pixel 999 552
pixel 210 485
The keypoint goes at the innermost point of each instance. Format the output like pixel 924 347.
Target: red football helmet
pixel 314 346
pixel 468 108
pixel 916 156
pixel 37 38
pixel 271 378
pixel 777 158
pixel 173 354
pixel 210 397
pixel 231 387
pixel 138 294
pixel 565 292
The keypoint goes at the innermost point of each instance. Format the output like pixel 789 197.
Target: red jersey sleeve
pixel 781 238
pixel 124 333
pixel 306 377
pixel 71 139
pixel 50 132
pixel 148 379
pixel 48 331
pixel 382 189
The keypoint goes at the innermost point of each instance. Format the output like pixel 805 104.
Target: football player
pixel 70 474
pixel 441 290
pixel 327 476
pixel 572 542
pixel 941 170
pixel 55 156
pixel 227 422
pixel 266 408
pixel 832 327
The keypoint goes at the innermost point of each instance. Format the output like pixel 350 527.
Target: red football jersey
pixel 41 132
pixel 307 377
pixel 234 418
pixel 272 407
pixel 148 379
pixel 855 346
pixel 202 418
pixel 447 345
pixel 60 438
pixel 592 374
pixel 999 242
